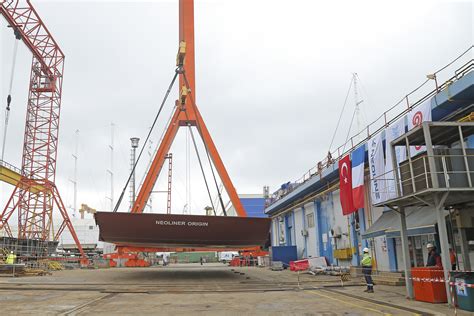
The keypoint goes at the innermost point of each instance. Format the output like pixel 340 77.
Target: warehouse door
pixel 312 240
pixel 299 229
pixel 289 229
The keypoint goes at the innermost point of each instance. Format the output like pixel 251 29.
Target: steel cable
pixel 9 98
pixel 196 148
pixel 340 115
pixel 200 163
pixel 205 146
pixel 117 205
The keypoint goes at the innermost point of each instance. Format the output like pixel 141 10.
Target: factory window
pixel 91 227
pixel 310 220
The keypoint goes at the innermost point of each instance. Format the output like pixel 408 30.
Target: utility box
pixel 463 283
pixel 285 254
pixel 344 253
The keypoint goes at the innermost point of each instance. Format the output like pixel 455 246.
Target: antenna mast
pixel 110 171
pixel 134 143
pixel 74 180
pixel 357 102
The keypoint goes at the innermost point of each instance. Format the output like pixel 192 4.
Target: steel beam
pixel 443 239
pixel 405 252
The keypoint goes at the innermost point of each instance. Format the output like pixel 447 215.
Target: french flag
pixel 358 156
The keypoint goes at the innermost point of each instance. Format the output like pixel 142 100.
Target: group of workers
pixel 434 260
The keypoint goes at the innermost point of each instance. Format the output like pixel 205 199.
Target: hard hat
pixel 11 251
pixel 429 246
pixel 365 249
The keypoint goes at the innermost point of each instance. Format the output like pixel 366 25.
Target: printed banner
pixel 417 116
pixel 376 168
pixel 391 133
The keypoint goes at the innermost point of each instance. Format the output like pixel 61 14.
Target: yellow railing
pixel 467 118
pixel 11 175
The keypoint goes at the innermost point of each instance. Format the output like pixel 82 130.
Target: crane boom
pixel 35 35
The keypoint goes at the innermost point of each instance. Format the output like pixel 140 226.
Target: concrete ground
pixel 212 289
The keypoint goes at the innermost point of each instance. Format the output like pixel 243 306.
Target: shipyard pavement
pixel 212 289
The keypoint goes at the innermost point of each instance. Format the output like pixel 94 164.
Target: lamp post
pixel 134 143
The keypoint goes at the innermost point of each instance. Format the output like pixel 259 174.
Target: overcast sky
pixel 271 79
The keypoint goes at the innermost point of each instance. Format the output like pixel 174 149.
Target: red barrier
pixel 299 265
pixel 236 262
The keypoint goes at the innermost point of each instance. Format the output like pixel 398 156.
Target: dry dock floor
pixel 212 289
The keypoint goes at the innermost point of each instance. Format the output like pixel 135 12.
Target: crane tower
pixel 36 195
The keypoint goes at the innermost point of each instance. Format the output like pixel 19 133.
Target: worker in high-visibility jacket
pixel 11 258
pixel 366 263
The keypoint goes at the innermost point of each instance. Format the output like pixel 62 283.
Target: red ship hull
pixel 170 230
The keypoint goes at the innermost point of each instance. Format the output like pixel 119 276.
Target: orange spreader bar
pixel 127 249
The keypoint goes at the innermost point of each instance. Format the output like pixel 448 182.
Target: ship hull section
pixel 171 230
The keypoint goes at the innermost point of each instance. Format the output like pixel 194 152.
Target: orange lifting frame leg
pixel 184 115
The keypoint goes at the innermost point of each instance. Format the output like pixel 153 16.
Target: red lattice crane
pixel 36 194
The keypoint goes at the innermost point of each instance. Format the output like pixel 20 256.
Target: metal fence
pixel 415 174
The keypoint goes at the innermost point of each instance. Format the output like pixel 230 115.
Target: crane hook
pixel 17 33
pixel 9 101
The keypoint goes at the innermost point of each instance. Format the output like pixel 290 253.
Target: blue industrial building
pixel 254 205
pixel 308 215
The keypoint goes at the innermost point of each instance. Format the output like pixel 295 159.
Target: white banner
pixel 417 116
pixel 376 168
pixel 392 132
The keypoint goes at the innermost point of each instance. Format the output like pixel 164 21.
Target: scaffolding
pixel 440 177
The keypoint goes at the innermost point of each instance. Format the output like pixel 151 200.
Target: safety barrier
pixel 453 284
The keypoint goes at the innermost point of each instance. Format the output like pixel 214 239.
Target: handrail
pixel 424 173
pixel 10 166
pixel 366 133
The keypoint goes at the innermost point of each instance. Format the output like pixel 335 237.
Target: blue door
pixel 325 246
pixel 289 229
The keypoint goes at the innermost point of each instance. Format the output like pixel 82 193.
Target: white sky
pixel 271 79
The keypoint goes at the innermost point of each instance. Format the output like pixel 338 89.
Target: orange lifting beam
pixel 186 114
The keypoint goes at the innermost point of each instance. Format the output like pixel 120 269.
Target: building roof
pixel 420 221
